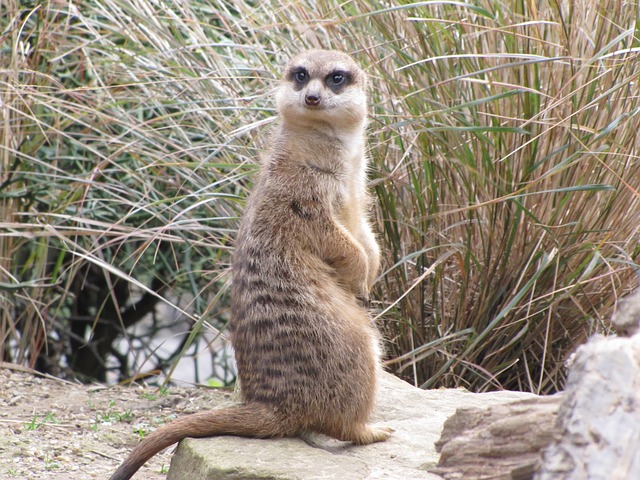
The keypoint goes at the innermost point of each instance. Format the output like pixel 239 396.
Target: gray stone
pixel 416 415
pixel 498 441
pixel 627 317
pixel 599 421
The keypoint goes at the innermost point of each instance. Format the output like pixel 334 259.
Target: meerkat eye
pixel 300 76
pixel 337 79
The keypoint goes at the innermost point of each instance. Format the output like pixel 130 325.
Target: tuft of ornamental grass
pixel 504 163
pixel 508 188
pixel 123 174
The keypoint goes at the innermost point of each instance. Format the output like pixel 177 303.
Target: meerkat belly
pixel 297 342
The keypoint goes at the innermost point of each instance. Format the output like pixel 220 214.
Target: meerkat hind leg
pixel 364 434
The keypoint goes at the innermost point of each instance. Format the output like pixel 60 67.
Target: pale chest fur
pixel 352 195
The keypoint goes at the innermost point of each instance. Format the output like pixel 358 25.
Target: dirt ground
pixel 53 429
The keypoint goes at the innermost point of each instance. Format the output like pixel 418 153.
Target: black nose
pixel 312 100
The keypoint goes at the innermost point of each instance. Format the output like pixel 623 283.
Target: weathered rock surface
pixel 599 420
pixel 417 416
pixel 500 441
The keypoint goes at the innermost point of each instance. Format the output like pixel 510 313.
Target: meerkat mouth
pixel 316 107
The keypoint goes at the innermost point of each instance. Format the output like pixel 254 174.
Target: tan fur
pixel 306 350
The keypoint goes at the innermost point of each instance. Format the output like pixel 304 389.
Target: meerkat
pixel 306 349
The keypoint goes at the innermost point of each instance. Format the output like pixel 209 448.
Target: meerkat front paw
pixel 363 300
pixel 360 290
pixel 361 287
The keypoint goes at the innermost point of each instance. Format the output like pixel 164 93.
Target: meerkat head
pixel 324 86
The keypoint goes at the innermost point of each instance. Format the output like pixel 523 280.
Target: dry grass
pixel 513 169
pixel 505 162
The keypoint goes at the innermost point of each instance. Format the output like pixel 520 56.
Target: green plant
pixel 162 391
pixel 114 416
pixel 50 464
pixel 141 432
pixel 111 415
pixel 35 423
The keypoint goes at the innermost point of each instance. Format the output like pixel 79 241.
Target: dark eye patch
pixel 337 80
pixel 299 76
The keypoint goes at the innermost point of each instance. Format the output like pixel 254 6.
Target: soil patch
pixel 53 429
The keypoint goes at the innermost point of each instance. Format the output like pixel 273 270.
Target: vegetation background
pixel 505 161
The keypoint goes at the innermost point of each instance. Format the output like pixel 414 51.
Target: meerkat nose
pixel 312 99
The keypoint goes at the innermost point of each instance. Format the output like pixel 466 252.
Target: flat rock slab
pixel 417 416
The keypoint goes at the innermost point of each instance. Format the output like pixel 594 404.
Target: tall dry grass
pixel 516 165
pixel 503 139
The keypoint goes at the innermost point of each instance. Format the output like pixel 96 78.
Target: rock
pixel 599 421
pixel 417 416
pixel 594 433
pixel 499 441
pixel 627 319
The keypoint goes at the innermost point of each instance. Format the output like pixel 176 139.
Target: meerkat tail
pixel 249 420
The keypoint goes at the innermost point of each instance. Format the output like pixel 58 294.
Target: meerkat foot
pixel 369 434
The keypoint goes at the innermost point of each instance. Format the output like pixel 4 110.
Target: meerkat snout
pixel 312 99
